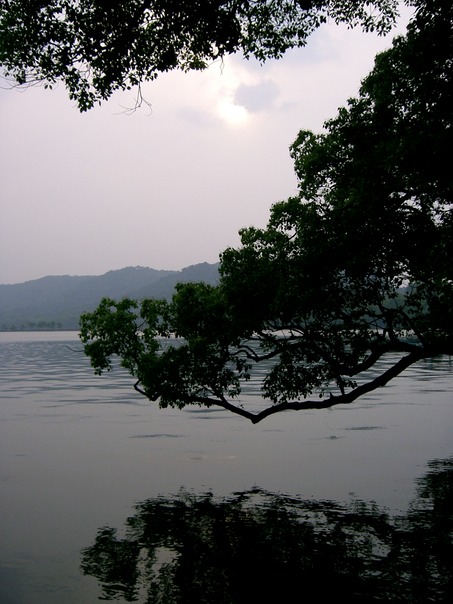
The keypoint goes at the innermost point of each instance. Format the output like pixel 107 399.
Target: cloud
pixel 256 97
pixel 87 193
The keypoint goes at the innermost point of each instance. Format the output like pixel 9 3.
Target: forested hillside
pixel 56 302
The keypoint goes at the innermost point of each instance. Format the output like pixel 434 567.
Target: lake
pixel 79 452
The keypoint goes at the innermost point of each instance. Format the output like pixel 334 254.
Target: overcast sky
pixel 167 188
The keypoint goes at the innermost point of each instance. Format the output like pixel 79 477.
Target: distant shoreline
pixel 44 330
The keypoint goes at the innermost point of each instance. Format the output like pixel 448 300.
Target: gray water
pixel 78 451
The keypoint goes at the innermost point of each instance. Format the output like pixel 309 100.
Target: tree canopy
pixel 351 275
pixel 98 46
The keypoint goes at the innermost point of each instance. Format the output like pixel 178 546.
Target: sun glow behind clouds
pixel 221 86
pixel 234 115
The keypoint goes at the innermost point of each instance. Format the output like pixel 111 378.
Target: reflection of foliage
pixel 260 546
pixel 114 562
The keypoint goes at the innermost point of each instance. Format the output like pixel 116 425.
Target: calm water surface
pixel 78 451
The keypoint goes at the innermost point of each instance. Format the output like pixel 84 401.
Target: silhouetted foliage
pixel 354 269
pixel 258 546
pixel 96 47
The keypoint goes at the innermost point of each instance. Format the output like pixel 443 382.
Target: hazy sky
pixel 166 188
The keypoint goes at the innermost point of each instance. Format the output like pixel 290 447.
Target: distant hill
pixel 57 302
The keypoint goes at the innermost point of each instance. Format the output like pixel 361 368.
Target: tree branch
pixel 343 399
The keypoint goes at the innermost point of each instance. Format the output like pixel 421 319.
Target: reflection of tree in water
pixel 258 546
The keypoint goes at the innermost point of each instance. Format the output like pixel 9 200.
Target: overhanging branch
pixel 342 399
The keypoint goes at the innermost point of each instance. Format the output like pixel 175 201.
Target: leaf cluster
pixel 96 47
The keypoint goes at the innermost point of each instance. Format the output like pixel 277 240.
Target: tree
pixel 354 270
pixel 98 46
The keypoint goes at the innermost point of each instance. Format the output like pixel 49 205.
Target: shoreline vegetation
pixel 40 326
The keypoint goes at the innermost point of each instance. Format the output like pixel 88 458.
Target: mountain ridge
pixel 57 301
